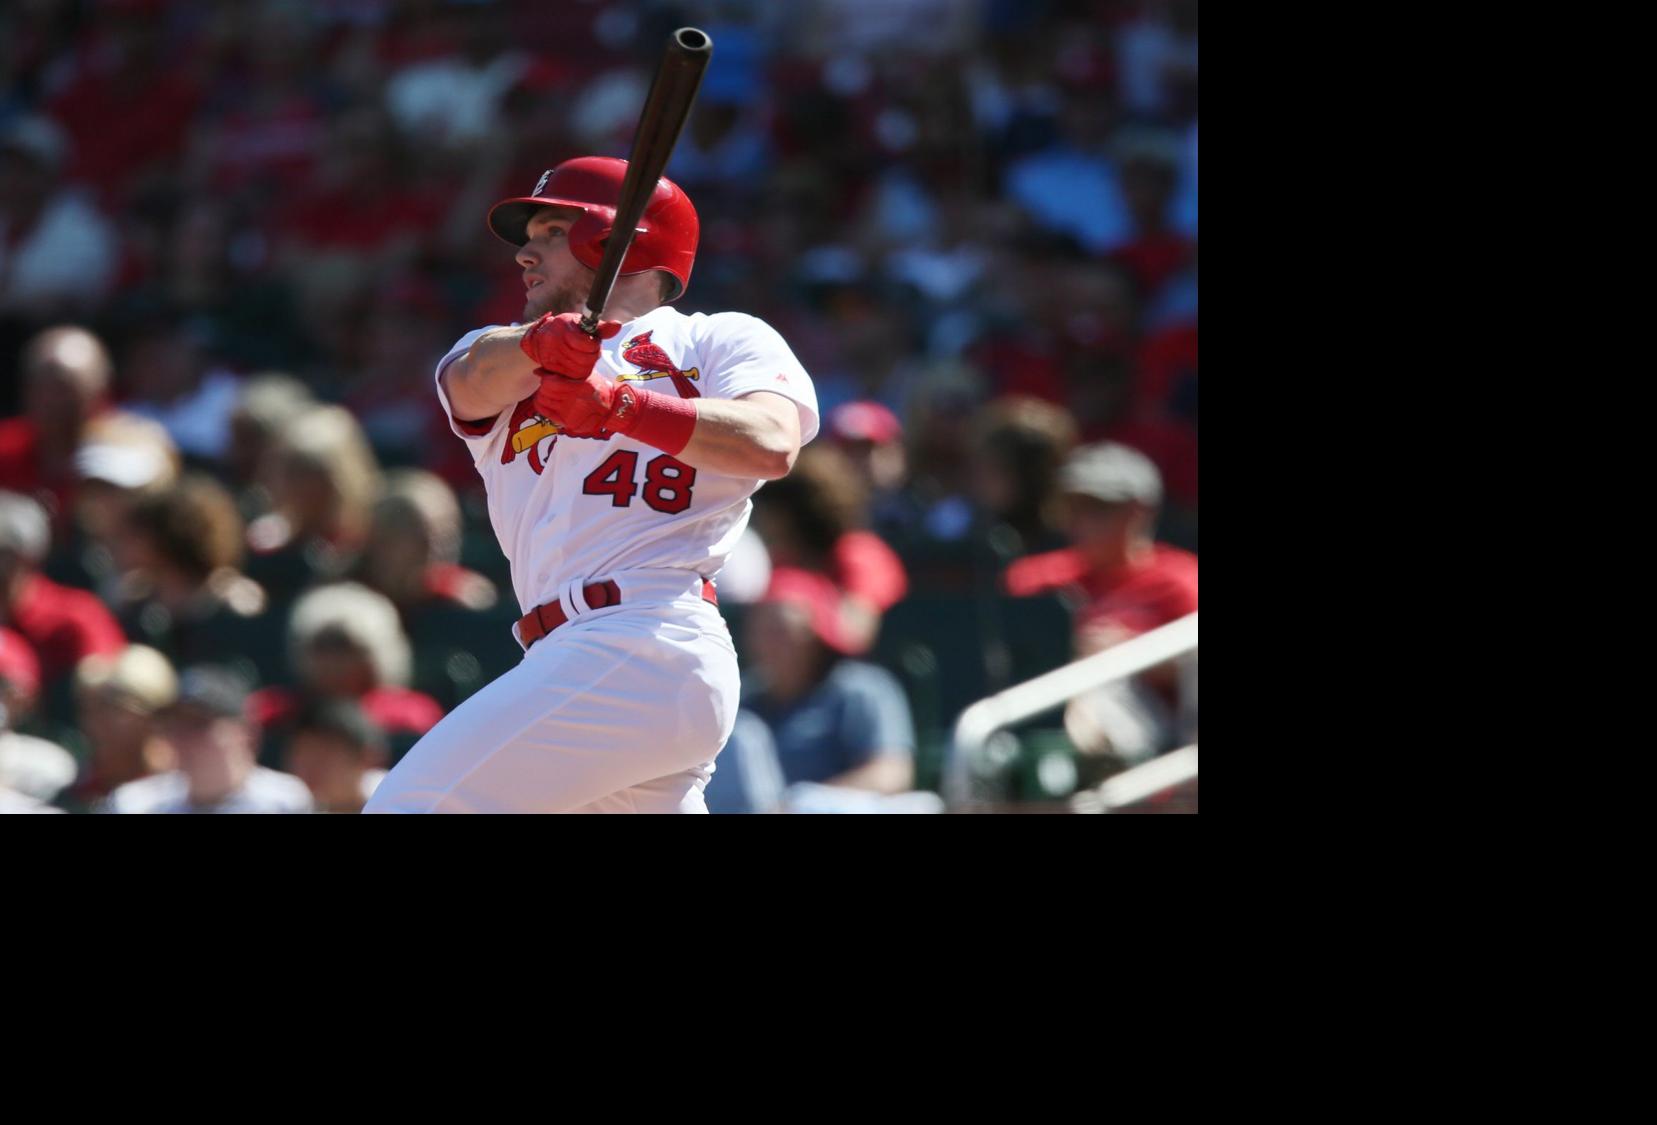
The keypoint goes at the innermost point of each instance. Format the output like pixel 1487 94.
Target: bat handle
pixel 589 321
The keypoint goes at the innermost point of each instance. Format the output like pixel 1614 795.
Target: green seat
pixel 1038 633
pixel 950 650
pixel 978 645
pixel 481 551
pixel 457 651
pixel 255 648
pixel 1047 767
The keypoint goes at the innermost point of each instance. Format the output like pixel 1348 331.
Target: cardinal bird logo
pixel 653 364
pixel 526 431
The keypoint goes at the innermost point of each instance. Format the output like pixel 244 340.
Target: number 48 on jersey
pixel 666 486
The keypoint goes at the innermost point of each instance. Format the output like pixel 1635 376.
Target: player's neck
pixel 624 311
pixel 634 296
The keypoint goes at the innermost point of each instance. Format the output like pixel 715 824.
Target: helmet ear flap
pixel 587 235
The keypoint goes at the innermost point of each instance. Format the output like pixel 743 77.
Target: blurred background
pixel 243 562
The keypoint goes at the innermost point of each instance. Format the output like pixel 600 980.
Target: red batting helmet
pixel 667 232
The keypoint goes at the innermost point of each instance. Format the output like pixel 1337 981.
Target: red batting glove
pixel 556 343
pixel 596 407
pixel 581 407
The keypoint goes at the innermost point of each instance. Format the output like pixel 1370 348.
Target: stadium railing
pixel 981 721
pixel 1167 780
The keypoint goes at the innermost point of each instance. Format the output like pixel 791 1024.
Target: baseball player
pixel 619 470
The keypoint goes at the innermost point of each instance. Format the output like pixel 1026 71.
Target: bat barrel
pixel 666 107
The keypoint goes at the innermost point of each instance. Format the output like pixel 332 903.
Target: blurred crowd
pixel 243 563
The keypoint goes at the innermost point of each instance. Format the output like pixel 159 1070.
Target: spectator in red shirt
pixel 345 642
pixel 1129 583
pixel 66 373
pixel 413 550
pixel 62 625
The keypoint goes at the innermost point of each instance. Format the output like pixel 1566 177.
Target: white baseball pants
pixel 621 709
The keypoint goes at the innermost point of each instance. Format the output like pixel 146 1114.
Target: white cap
pixel 24 527
pixel 125 466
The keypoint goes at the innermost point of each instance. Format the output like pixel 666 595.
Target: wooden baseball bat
pixel 665 109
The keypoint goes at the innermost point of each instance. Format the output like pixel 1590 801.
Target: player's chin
pixel 540 302
pixel 534 307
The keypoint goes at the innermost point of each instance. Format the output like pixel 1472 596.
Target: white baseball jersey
pixel 576 510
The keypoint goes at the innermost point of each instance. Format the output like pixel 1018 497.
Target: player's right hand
pixel 557 344
pixel 581 407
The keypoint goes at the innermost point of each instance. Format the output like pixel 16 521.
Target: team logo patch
pixel 525 433
pixel 654 364
pixel 542 182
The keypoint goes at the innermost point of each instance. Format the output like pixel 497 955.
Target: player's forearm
pixel 744 438
pixel 494 375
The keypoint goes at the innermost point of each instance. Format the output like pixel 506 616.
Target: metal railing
pixel 1053 689
pixel 1144 781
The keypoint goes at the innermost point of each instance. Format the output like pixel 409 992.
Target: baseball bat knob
pixel 692 39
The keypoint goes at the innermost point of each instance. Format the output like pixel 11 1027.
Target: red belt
pixel 543 619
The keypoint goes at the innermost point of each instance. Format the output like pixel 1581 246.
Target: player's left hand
pixel 581 407
pixel 557 344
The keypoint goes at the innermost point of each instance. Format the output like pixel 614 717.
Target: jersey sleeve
pixel 473 431
pixel 744 354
